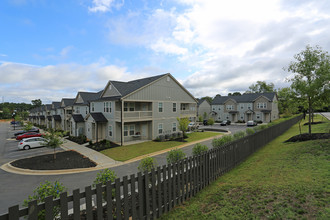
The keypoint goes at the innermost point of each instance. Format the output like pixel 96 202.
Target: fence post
pixel 99 206
pixel 76 204
pixel 13 212
pixel 49 215
pixel 64 205
pixel 125 190
pixel 109 206
pixel 88 199
pixel 147 194
pixel 133 195
pixel 141 195
pixel 33 210
pixel 118 199
pixel 159 191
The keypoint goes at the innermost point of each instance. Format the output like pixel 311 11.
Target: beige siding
pixel 262 99
pixel 79 99
pixel 111 91
pixel 162 90
pixel 204 107
pixel 230 102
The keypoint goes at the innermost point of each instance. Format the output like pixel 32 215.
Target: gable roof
pixel 126 88
pixel 200 101
pixel 87 97
pixel 67 102
pixel 251 97
pixel 56 105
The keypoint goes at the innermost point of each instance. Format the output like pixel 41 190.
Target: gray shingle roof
pixel 68 102
pixel 99 117
pixel 56 105
pixel 78 118
pixel 220 100
pixel 89 96
pixel 125 88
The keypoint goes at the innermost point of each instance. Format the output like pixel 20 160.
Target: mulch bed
pixel 307 137
pixel 64 160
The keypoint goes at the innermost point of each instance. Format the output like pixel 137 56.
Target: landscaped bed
pixel 280 181
pixel 64 160
pixel 124 153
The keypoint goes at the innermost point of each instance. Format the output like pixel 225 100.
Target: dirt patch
pixel 64 160
pixel 314 123
pixel 307 137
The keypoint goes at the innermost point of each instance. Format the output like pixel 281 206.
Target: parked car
pixel 23 131
pixel 225 122
pixel 251 123
pixel 28 135
pixel 32 142
pixel 193 126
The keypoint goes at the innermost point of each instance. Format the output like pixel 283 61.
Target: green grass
pixel 280 181
pixel 128 152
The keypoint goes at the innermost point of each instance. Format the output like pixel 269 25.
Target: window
pixel 174 107
pixel 125 130
pixel 174 127
pixel 132 106
pixel 131 130
pixel 77 110
pixel 86 110
pixel 160 128
pixel 160 107
pixel 92 106
pixel 258 116
pixel 129 106
pixel 219 109
pixel 110 131
pixel 261 105
pixel 213 109
pixel 184 106
pixel 229 107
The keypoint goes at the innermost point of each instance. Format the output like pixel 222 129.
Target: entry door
pixel 93 131
pixel 144 131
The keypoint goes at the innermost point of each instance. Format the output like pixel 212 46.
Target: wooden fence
pixel 150 195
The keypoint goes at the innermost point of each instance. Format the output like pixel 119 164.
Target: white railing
pixel 134 115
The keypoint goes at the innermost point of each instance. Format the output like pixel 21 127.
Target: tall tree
pixel 261 87
pixel 311 78
pixel 36 103
pixel 208 98
pixel 234 94
pixel 287 101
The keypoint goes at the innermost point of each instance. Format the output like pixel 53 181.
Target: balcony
pixel 133 115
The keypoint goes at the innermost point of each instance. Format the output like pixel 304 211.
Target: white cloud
pixel 105 5
pixel 50 83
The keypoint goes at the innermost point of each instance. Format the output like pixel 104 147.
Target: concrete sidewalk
pixel 99 158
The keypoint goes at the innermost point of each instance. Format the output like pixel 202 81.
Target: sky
pixel 50 49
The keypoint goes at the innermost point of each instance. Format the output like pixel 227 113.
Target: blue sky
pixel 52 49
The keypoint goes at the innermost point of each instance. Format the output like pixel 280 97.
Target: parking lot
pixel 8 146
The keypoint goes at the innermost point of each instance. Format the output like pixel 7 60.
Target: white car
pixel 32 142
pixel 193 126
pixel 251 123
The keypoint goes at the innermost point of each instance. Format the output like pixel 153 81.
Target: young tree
pixel 28 126
pixel 53 140
pixel 311 78
pixel 261 87
pixel 183 125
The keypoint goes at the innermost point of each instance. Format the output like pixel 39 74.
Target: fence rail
pixel 150 195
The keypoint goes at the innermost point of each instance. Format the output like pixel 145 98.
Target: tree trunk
pixel 309 118
pixel 54 155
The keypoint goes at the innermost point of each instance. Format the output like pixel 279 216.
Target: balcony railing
pixel 134 115
pixel 188 112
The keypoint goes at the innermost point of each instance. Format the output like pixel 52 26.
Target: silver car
pixel 32 142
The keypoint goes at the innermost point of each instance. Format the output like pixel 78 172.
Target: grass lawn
pixel 124 153
pixel 280 181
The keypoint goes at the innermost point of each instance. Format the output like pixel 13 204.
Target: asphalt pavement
pixel 14 188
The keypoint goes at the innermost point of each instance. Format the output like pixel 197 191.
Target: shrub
pixel 262 127
pixel 210 121
pixel 147 164
pixel 218 142
pixel 161 137
pixel 167 136
pixel 103 177
pixel 239 135
pixel 174 156
pixel 249 131
pixel 199 149
pixel 44 190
